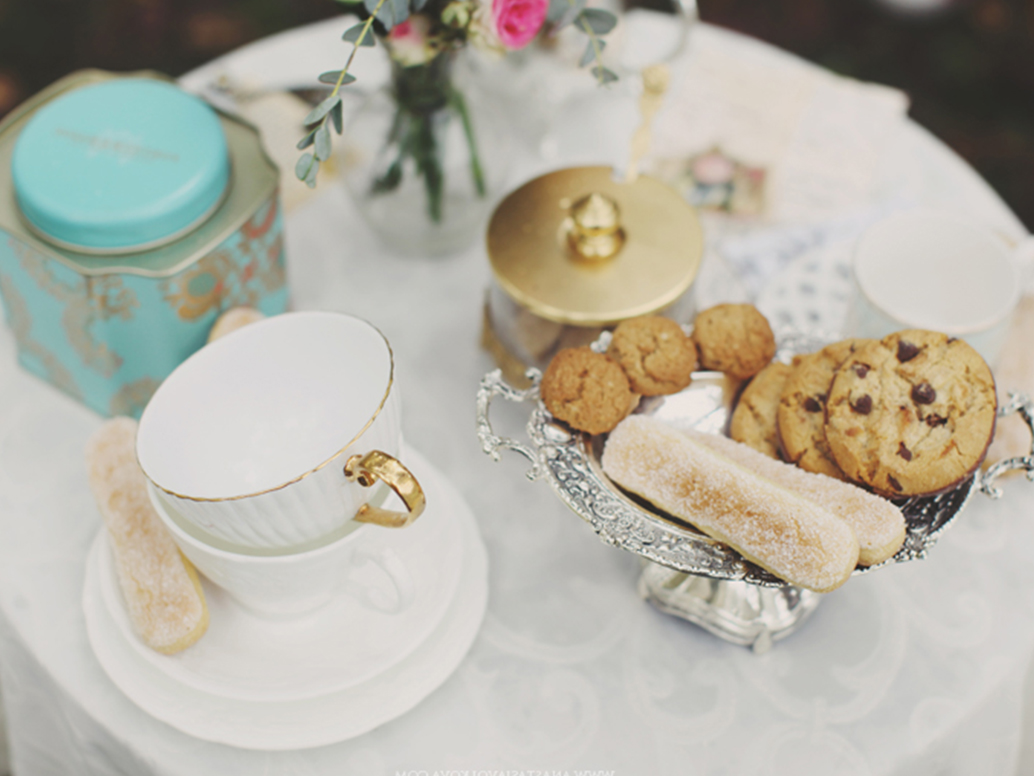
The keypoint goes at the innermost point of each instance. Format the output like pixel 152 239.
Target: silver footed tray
pixel 570 461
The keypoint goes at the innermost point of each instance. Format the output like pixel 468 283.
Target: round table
pixel 917 669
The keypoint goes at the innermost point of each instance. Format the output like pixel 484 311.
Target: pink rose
pixel 409 41
pixel 518 21
pixel 404 31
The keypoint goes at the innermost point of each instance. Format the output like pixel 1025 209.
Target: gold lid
pixel 575 246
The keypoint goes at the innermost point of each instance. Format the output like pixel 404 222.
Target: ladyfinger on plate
pixel 878 524
pixel 161 588
pixel 790 536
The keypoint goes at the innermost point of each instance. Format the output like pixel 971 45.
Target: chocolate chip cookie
pixel 801 416
pixel 912 414
pixel 587 390
pixel 657 356
pixel 735 339
pixel 754 419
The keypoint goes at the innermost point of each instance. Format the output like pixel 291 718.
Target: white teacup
pixel 270 438
pixel 280 586
pixel 924 269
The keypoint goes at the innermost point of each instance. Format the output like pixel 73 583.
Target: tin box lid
pixel 121 165
pixel 578 247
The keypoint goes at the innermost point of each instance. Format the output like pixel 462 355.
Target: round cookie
pixel 754 419
pixel 735 339
pixel 802 408
pixel 587 390
pixel 912 414
pixel 657 356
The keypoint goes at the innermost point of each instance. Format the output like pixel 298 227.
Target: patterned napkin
pixel 821 137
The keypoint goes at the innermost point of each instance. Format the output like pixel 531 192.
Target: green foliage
pixel 388 12
pixel 425 102
pixel 352 35
pixel 591 52
pixel 333 76
pixel 599 21
pixel 425 90
pixel 329 111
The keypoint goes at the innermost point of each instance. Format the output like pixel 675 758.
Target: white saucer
pixel 190 695
pixel 342 644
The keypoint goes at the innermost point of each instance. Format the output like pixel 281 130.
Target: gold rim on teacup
pixel 365 469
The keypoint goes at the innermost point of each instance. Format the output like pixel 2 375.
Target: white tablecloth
pixel 915 669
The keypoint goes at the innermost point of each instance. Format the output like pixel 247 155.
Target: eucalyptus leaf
pixel 331 76
pixel 306 141
pixel 323 142
pixel 335 115
pixel 303 165
pixel 321 110
pixel 590 52
pixel 310 179
pixel 399 9
pixel 604 75
pixel 352 35
pixel 417 5
pixel 383 14
pixel 599 21
pixel 556 10
pixel 570 11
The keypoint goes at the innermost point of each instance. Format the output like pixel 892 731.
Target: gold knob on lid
pixel 594 230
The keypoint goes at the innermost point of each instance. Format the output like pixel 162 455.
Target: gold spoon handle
pixel 655 85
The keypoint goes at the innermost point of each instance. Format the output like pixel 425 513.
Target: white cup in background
pixel 925 269
pixel 270 438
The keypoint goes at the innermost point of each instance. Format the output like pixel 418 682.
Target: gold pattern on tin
pixel 217 282
pixel 201 288
pixel 20 319
pixel 132 397
pixel 84 302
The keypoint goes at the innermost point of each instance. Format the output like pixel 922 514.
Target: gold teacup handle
pixel 375 465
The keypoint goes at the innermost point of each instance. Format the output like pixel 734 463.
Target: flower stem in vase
pixel 423 94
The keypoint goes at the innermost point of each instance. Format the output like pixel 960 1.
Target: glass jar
pixel 574 252
pixel 427 156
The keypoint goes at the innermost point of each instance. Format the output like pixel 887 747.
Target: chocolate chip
pixel 906 351
pixel 923 393
pixel 863 406
pixel 951 340
pixel 811 405
pixel 894 483
pixel 862 369
pixel 933 421
pixel 904 452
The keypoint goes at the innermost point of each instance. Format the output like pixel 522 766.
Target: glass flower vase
pixel 426 157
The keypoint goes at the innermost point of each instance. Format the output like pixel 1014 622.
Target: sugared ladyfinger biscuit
pixel 878 524
pixel 795 539
pixel 161 588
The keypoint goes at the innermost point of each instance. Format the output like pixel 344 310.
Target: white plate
pixel 342 644
pixel 298 723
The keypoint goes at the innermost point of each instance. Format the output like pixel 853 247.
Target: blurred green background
pixel 969 67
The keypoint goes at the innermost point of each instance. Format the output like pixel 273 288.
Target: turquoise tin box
pixel 131 216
